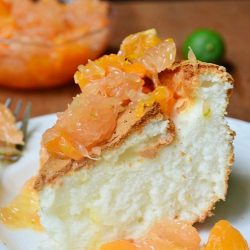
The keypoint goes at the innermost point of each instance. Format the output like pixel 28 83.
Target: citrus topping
pixel 119 245
pixel 207 45
pixel 61 145
pixel 8 130
pixel 182 85
pixel 160 57
pixel 161 95
pixel 22 212
pixel 149 50
pixel 225 237
pixel 111 83
pixel 135 45
pixel 100 68
pixel 191 56
pixel 88 121
pixel 167 234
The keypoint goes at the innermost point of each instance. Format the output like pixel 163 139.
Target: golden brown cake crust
pixel 128 123
pixel 208 68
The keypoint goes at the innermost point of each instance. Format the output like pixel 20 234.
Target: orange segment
pixel 135 45
pixel 161 95
pixel 165 235
pixel 135 68
pixel 62 146
pixel 223 236
pixel 148 49
pixel 119 245
pixel 22 212
pixel 100 68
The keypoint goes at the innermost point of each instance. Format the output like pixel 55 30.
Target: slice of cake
pixel 145 140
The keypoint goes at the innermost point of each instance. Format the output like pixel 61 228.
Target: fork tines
pixel 18 107
pixel 25 116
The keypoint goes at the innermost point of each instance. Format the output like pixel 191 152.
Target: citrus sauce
pixel 22 211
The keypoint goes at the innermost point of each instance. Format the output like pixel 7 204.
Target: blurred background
pixel 176 19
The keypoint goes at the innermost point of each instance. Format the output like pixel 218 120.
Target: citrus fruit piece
pixel 207 45
pixel 160 57
pixel 223 236
pixel 161 95
pixel 22 212
pixel 171 234
pixel 135 45
pixel 61 144
pixel 119 245
pixel 167 234
pixel 88 121
pixel 91 118
pixel 95 70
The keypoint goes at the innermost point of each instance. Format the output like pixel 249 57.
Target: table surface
pixel 172 19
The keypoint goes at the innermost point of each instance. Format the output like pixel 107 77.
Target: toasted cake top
pixel 120 94
pixel 128 122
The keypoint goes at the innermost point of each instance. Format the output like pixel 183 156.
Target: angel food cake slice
pixel 146 140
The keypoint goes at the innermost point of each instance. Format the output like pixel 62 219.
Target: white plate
pixel 236 208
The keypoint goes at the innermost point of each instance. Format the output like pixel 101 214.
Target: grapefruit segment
pixel 160 57
pixel 135 45
pixel 165 235
pixel 87 122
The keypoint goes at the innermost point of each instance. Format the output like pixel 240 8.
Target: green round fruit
pixel 207 45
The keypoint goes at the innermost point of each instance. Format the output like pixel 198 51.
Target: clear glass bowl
pixel 27 65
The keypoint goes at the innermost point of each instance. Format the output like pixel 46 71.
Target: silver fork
pixel 23 127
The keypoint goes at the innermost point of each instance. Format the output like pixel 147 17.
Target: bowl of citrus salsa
pixel 42 42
